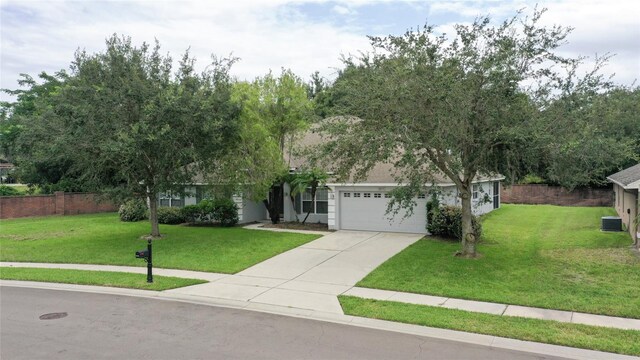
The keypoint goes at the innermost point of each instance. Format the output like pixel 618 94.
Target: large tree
pixel 460 105
pixel 598 136
pixel 280 104
pixel 133 127
pixel 36 165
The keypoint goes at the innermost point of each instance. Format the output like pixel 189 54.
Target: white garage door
pixel 365 210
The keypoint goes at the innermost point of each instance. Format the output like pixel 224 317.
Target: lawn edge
pixel 191 281
pixel 509 339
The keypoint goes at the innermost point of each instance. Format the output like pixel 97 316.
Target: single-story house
pixel 355 205
pixel 626 185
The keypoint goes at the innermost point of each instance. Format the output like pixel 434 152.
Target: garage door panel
pixel 368 212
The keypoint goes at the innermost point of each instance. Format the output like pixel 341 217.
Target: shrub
pixel 225 212
pixel 207 210
pixel 170 215
pixel 533 179
pixel 432 204
pixel 192 213
pixel 133 210
pixel 446 221
pixel 9 191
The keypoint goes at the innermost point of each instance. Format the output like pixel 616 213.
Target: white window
pixel 367 195
pixel 476 188
pixel 319 205
pixel 387 196
pixel 347 195
pixel 377 195
pixel 170 200
pixel 203 193
pixel 421 196
pixel 307 202
pixel 322 201
pixel 356 194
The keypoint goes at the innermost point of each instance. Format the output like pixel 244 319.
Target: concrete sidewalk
pixel 496 308
pixel 311 277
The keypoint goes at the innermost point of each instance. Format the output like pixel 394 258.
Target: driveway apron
pixel 312 275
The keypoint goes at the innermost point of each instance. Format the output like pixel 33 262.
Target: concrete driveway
pixel 312 275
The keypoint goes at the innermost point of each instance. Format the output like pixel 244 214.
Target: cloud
pixel 265 35
pixel 270 34
pixel 341 10
pixel 599 27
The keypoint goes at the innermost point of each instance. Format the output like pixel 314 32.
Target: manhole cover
pixel 53 316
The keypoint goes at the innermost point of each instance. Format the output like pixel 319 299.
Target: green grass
pixel 100 278
pixel 542 256
pixel 551 332
pixel 104 239
pixel 23 189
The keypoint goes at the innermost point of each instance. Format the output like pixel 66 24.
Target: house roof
pixel 628 178
pixel 380 174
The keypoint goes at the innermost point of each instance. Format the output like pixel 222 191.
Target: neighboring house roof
pixel 380 174
pixel 628 178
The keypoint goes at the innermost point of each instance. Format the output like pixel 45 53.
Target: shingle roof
pixel 626 176
pixel 381 173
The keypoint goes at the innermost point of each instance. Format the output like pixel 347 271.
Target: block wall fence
pixel 555 195
pixel 59 203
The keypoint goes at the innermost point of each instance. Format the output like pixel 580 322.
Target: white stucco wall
pixel 449 196
pixel 253 211
pixel 248 210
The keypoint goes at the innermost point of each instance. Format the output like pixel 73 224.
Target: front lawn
pixel 550 332
pixel 542 256
pixel 104 239
pixel 99 278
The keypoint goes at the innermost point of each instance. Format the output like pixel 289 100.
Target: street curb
pixel 442 334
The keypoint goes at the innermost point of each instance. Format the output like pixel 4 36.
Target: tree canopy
pixel 280 107
pixel 589 135
pixel 131 126
pixel 460 105
pixel 37 165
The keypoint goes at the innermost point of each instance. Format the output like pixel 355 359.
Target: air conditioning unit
pixel 611 223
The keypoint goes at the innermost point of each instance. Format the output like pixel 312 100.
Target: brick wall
pixel 555 195
pixel 58 204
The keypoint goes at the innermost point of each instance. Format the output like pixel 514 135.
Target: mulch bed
pixel 299 226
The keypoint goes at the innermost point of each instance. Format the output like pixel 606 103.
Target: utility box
pixel 611 223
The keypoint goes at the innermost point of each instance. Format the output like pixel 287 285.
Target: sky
pixel 303 35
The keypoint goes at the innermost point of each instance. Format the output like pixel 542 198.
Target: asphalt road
pixel 120 327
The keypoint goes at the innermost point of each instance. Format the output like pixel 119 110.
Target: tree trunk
pixel 468 235
pixel 306 217
pixel 153 214
pixel 293 205
pixel 272 210
pixel 273 202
